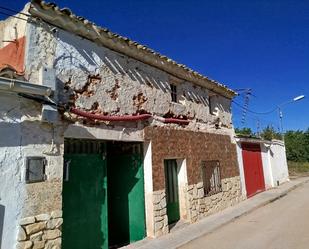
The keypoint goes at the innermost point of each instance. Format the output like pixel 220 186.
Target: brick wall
pixel 192 146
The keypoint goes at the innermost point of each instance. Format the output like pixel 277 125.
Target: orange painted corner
pixel 13 55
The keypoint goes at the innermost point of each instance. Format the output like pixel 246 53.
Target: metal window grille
pixel 173 92
pixel 211 177
pixel 83 146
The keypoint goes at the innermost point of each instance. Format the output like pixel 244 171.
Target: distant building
pixel 103 141
pixel 262 164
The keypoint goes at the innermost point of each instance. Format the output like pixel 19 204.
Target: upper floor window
pixel 173 93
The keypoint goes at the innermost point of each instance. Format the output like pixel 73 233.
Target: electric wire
pixel 14 11
pixel 10 15
pixel 254 112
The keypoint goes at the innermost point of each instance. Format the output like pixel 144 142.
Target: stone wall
pixel 198 206
pixel 201 206
pixel 160 213
pixel 42 231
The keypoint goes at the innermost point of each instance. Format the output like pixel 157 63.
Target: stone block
pixel 190 187
pixel 36 227
pixel 163 203
pixel 165 229
pixel 54 223
pixel 157 207
pixel 163 212
pixel 53 244
pixel 27 220
pixel 42 217
pixel 159 226
pixel 38 244
pixel 157 213
pixel 36 236
pixel 165 221
pixel 24 245
pixel 156 199
pixel 200 193
pixel 200 185
pixel 51 234
pixel 56 214
pixel 158 219
pixel 195 194
pixel 21 236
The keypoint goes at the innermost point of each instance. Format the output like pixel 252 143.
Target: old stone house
pixel 103 141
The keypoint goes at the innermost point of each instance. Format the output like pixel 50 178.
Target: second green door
pixel 171 186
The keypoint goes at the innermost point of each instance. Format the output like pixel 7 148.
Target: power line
pixel 14 11
pixel 254 112
pixel 10 15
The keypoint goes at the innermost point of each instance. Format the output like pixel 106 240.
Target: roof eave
pixel 64 19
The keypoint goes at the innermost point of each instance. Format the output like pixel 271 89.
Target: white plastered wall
pixel 267 169
pixel 241 169
pixel 279 163
pixel 266 162
pixel 182 187
pixel 148 189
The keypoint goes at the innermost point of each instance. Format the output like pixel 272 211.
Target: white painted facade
pixel 274 162
pixel 278 162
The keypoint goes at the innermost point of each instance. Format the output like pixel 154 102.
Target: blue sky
pixel 257 44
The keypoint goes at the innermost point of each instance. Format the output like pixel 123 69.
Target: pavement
pixel 188 233
pixel 282 224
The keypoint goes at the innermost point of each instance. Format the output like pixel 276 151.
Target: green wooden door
pixel 126 199
pixel 85 202
pixel 171 186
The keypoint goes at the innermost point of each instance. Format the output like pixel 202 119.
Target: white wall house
pixel 262 164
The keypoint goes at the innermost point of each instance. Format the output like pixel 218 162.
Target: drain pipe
pixel 172 120
pixel 109 118
pixel 19 86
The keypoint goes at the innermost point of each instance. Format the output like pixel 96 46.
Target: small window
pixel 173 93
pixel 211 177
pixel 211 100
pixel 35 169
pixel 210 104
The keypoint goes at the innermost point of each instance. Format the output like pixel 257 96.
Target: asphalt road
pixel 283 224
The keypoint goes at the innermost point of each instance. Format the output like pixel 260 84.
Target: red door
pixel 253 168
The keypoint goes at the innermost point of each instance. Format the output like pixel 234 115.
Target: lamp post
pixel 300 97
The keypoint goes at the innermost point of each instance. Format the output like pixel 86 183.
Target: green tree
pixel 270 133
pixel 244 131
pixel 297 145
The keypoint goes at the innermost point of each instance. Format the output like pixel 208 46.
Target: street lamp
pixel 300 97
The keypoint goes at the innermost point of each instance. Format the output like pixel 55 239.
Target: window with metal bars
pixel 211 177
pixel 83 146
pixel 173 92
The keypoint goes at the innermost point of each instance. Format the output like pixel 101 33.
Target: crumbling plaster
pixel 107 82
pixel 102 81
pixel 22 134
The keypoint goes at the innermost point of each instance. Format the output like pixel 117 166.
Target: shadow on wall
pixel 2 208
pixel 84 55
